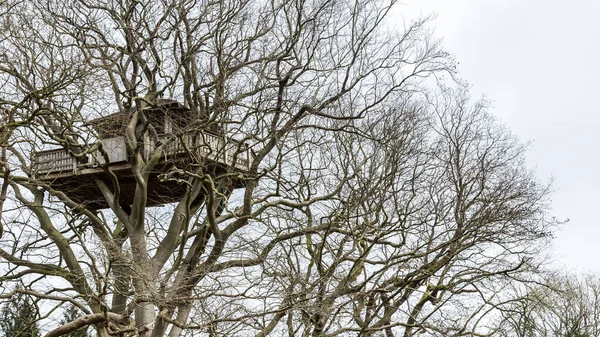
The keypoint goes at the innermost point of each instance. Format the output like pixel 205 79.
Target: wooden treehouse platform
pixel 216 154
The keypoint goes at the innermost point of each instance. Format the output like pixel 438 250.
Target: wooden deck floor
pixel 78 178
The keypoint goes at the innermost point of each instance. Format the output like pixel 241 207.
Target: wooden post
pixel 247 158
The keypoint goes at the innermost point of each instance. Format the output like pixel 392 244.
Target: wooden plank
pixel 115 149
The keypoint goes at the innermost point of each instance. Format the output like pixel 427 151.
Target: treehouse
pixel 185 147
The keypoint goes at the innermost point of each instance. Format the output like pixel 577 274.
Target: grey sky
pixel 538 62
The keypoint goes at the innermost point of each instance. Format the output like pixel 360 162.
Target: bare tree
pixel 307 185
pixel 561 306
pixel 437 214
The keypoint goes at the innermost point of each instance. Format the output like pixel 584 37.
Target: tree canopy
pixel 374 202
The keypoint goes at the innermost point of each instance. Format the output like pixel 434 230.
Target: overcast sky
pixel 538 62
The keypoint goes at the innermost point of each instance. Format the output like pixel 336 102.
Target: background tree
pixel 562 306
pixel 371 206
pixel 19 317
pixel 70 314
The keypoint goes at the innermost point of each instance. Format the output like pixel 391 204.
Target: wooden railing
pixel 202 144
pixel 57 160
pixel 211 146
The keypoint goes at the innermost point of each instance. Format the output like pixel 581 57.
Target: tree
pixel 562 306
pixel 71 314
pixel 369 206
pixel 19 317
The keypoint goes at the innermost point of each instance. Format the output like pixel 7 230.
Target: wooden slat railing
pixel 57 160
pixel 203 144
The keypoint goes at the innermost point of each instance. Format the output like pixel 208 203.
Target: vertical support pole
pixel 247 157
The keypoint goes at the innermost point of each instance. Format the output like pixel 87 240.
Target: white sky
pixel 539 63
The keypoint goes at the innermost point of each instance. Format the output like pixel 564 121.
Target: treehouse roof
pixel 115 123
